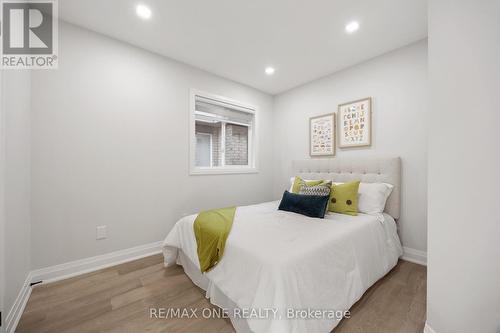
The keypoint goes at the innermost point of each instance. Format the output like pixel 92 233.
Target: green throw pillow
pixel 298 181
pixel 344 198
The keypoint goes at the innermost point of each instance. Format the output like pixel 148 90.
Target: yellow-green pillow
pixel 297 182
pixel 344 198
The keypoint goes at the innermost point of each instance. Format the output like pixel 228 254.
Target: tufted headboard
pixel 368 170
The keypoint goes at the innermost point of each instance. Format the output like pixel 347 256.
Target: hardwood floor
pixel 119 298
pixel 396 303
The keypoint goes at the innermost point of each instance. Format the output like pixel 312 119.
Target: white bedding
pixel 282 260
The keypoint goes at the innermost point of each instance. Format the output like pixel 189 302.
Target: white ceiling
pixel 237 39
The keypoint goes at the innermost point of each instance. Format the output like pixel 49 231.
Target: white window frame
pixel 252 138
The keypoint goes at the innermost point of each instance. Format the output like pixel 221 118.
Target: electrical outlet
pixel 101 232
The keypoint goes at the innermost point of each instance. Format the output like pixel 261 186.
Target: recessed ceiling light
pixel 143 11
pixel 269 70
pixel 352 27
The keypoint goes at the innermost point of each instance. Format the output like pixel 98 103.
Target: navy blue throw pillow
pixel 308 205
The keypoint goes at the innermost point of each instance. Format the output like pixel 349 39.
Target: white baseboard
pixel 17 308
pixel 428 329
pixel 82 266
pixel 415 256
pixel 74 268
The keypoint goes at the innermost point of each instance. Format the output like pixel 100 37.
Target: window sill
pixel 221 171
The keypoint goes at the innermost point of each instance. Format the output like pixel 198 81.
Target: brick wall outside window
pixel 236 145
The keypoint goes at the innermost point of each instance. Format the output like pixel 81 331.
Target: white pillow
pixel 373 196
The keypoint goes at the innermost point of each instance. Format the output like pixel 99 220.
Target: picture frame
pixel 355 123
pixel 322 135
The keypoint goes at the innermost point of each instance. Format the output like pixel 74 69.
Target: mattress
pixel 288 266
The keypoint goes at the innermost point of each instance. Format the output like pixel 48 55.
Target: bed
pixel 285 272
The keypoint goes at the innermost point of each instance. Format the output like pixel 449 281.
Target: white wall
pixel 2 200
pixel 397 82
pixel 110 147
pixel 464 163
pixel 16 182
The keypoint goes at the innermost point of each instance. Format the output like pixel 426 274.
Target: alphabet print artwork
pixel 355 123
pixel 322 135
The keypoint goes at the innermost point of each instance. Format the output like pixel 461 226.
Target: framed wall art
pixel 322 134
pixel 355 123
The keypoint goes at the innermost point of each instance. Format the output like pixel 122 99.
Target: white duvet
pixel 281 260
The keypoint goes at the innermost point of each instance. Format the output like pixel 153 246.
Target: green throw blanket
pixel 211 229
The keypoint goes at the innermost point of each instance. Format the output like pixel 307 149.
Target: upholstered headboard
pixel 368 170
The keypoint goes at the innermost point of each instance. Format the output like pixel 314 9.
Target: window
pixel 222 135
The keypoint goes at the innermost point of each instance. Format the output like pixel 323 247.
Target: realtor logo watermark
pixel 29 34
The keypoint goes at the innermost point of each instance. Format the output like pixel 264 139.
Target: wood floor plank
pixel 119 299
